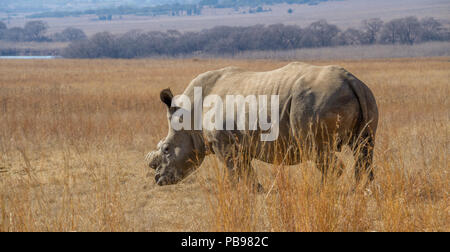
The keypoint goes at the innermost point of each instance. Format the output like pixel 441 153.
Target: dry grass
pixel 428 49
pixel 73 134
pixel 31 48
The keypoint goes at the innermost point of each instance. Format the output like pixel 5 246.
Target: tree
pixel 73 34
pixel 3 26
pixel 35 30
pixel 104 45
pixel 133 44
pixel 14 34
pixel 308 39
pixel 77 49
pixel 290 11
pixel 351 37
pixel 371 29
pixel 402 30
pixel 410 30
pixel 323 32
pixel 3 29
pixel 390 31
pixel 430 29
pixel 282 37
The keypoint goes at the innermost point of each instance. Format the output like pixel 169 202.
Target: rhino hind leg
pixel 363 151
pixel 329 164
pixel 324 155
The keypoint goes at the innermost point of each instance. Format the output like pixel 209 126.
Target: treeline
pixel 253 3
pixel 36 31
pixel 174 9
pixel 231 40
pixel 166 9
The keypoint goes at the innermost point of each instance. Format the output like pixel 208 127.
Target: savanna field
pixel 74 134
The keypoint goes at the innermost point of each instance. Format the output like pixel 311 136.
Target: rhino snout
pixel 154 159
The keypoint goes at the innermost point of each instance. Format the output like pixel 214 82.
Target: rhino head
pixel 177 155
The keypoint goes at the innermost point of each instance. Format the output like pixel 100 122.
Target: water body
pixel 29 57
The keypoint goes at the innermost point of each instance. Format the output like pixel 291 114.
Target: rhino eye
pixel 165 149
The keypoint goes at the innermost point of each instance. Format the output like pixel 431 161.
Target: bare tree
pixel 323 32
pixel 104 45
pixel 133 44
pixel 79 49
pixel 231 40
pixel 73 34
pixel 410 30
pixel 14 34
pixel 35 30
pixel 371 28
pixel 390 31
pixel 3 29
pixel 350 37
pixel 402 30
pixel 3 26
pixel 431 29
pixel 280 37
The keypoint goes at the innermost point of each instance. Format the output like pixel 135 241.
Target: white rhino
pixel 319 107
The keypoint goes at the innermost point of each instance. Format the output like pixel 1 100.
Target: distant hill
pixel 89 6
pixel 70 5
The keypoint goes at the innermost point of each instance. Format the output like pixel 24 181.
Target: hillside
pixel 348 13
pixel 14 6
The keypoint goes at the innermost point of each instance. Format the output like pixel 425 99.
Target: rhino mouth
pixel 166 179
pixel 171 178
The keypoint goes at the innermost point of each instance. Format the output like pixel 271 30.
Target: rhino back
pixel 306 93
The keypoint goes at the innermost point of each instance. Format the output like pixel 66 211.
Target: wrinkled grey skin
pixel 310 98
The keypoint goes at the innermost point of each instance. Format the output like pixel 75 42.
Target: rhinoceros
pixel 318 107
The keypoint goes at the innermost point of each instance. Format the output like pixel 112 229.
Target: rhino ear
pixel 166 97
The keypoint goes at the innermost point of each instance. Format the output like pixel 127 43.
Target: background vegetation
pixel 36 31
pixel 232 40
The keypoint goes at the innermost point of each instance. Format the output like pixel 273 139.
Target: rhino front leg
pixel 246 172
pixel 239 165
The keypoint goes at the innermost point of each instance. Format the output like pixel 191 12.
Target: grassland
pixel 428 49
pixel 31 48
pixel 74 133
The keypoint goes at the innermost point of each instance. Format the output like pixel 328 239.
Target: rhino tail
pixel 363 139
pixel 368 117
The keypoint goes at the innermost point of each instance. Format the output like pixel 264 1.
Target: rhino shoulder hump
pixel 230 69
pixel 338 70
pixel 297 63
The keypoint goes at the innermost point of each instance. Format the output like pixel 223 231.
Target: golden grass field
pixel 74 133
